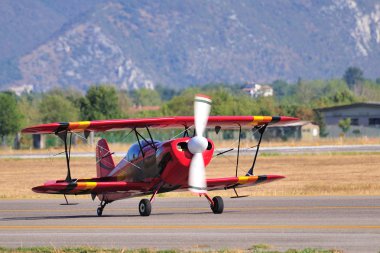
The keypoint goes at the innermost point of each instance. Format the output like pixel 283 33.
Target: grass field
pixel 323 174
pixel 123 147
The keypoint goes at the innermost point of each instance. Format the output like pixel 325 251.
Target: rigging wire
pixel 232 147
pixel 80 136
pixel 186 129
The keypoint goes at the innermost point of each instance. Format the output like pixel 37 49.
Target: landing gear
pixel 216 203
pixel 218 206
pixel 99 211
pixel 145 207
pixel 103 204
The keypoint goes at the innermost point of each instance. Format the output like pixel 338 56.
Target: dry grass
pixel 123 147
pixel 300 143
pixel 324 174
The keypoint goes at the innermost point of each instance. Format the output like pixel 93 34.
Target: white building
pixel 21 89
pixel 258 90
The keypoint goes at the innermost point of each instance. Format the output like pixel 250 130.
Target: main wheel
pixel 145 207
pixel 218 206
pixel 99 211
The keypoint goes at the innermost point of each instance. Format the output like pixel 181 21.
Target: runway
pixel 351 224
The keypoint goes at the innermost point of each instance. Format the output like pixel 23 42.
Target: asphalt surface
pixel 230 152
pixel 351 224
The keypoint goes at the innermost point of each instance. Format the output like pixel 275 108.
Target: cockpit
pixel 134 150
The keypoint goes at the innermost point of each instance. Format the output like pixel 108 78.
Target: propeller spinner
pixel 198 144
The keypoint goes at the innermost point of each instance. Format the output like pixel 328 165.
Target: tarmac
pixel 351 224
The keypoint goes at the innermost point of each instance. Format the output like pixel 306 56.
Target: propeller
pixel 198 144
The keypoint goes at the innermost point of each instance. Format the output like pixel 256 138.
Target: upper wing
pixel 171 122
pixel 237 182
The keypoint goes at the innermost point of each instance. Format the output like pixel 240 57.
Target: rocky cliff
pixel 137 44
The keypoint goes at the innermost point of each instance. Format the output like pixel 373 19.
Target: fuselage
pixel 161 164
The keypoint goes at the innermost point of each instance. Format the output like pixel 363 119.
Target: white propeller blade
pixel 202 106
pixel 198 144
pixel 197 176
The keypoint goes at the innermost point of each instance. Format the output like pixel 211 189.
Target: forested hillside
pixel 141 44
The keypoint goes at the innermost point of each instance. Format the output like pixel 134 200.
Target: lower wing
pixel 108 185
pixel 238 182
pixel 91 186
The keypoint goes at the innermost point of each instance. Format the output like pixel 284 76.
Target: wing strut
pixel 138 140
pixel 152 144
pixel 63 136
pixel 186 132
pixel 138 136
pixel 261 131
pixel 238 152
pixel 237 165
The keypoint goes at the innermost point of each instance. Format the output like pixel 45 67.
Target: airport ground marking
pixel 192 209
pixel 189 227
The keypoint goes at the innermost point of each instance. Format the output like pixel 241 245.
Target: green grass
pixel 261 248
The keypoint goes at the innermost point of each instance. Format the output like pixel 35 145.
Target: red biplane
pixel 152 167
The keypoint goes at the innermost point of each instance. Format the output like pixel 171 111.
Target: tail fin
pixel 104 160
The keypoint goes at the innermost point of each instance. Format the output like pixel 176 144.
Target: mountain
pixel 176 43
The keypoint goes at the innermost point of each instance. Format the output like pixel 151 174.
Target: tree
pixel 166 93
pixel 353 76
pixel 57 108
pixel 318 119
pixel 345 125
pixel 124 103
pixel 28 104
pixel 340 97
pixel 181 105
pixel 282 88
pixel 224 103
pixel 10 116
pixel 100 102
pixel 71 94
pixel 267 106
pixel 147 97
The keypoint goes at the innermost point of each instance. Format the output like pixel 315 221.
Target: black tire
pixel 99 211
pixel 145 207
pixel 218 206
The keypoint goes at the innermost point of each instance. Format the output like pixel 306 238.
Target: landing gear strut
pixel 103 204
pixel 216 204
pixel 145 205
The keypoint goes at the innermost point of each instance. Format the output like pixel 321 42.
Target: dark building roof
pixel 355 105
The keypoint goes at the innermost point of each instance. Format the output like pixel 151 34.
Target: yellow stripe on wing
pixel 87 185
pixel 259 120
pixel 80 125
pixel 247 179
